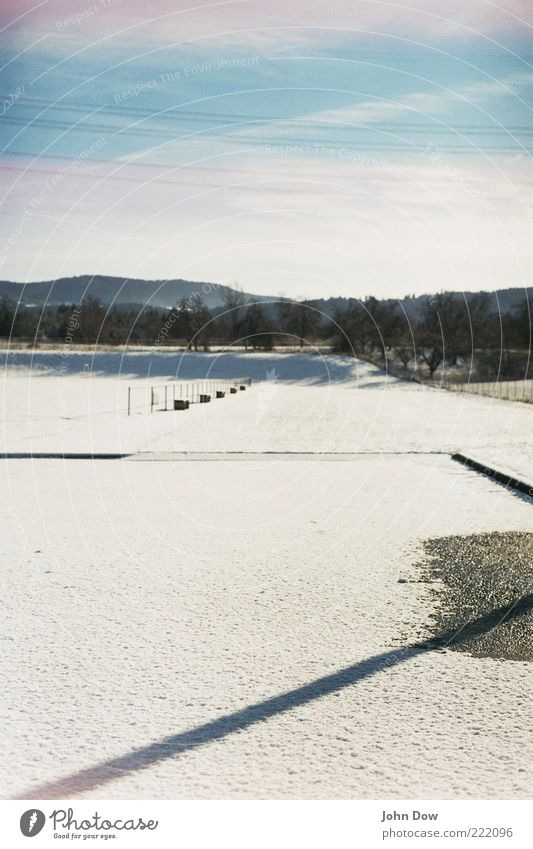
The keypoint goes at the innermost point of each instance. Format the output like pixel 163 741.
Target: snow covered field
pixel 297 403
pixel 225 625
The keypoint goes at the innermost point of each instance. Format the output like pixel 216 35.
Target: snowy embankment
pixel 245 628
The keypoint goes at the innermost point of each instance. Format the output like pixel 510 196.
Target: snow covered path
pixel 148 606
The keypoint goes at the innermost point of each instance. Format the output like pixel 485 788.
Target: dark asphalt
pixel 483 574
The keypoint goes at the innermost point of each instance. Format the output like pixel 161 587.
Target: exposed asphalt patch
pixel 486 578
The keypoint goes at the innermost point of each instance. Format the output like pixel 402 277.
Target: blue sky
pixel 322 149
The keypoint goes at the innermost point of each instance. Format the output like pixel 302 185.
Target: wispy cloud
pixel 424 103
pixel 360 140
pixel 377 110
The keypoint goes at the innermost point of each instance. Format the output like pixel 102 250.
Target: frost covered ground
pixel 238 625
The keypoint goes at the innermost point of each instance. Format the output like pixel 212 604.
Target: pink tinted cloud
pixel 164 20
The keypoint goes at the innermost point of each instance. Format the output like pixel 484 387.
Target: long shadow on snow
pixel 314 369
pixel 97 776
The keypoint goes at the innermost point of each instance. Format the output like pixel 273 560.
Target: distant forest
pixel 447 331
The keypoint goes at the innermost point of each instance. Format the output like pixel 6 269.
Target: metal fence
pixel 163 396
pixel 507 390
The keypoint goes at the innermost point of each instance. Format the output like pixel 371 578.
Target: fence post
pixel 165 397
pixel 129 400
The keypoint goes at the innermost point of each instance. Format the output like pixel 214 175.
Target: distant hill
pixel 125 292
pixel 119 291
pixel 501 300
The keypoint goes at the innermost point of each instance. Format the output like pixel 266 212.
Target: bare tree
pixel 256 327
pixel 234 300
pixel 300 319
pixel 6 316
pixel 92 317
pixel 429 335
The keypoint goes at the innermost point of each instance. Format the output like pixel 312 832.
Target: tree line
pixel 447 330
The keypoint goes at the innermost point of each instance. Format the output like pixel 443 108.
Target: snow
pixel 144 600
pixel 297 403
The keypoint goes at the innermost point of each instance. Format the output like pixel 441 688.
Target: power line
pixel 121 111
pixel 230 136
